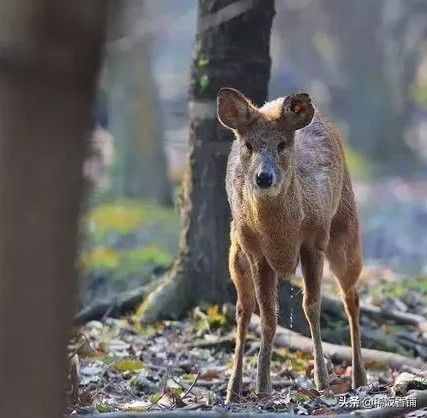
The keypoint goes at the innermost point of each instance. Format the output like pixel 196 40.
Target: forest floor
pixel 121 365
pixel 117 364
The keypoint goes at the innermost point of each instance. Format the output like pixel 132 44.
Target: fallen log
pixel 121 305
pixel 295 341
pixel 403 318
pixel 419 397
pixel 335 307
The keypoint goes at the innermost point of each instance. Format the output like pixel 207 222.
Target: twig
pixel 153 404
pixel 188 391
pixel 80 346
pixel 110 309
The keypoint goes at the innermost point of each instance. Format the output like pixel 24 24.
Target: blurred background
pixel 366 67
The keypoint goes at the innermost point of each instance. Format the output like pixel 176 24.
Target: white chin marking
pixel 269 192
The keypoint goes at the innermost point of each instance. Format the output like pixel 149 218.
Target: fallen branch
pixel 221 342
pixel 404 318
pixel 389 412
pixel 123 304
pixel 295 341
pixel 335 307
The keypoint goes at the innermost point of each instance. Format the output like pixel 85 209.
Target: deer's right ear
pixel 234 110
pixel 297 111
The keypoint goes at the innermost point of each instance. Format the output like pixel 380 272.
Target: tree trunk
pixel 376 121
pixel 365 58
pixel 232 49
pixel 49 58
pixel 136 123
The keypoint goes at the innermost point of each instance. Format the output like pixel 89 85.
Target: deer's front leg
pixel 265 282
pixel 312 265
pixel 241 277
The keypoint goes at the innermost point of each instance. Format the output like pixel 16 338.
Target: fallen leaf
pixel 128 365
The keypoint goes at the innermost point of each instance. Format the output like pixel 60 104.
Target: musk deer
pixel 291 200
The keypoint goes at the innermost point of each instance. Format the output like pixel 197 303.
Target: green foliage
pixel 126 263
pixel 129 238
pixel 399 289
pixel 133 259
pixel 128 365
pixel 124 217
pixel 202 61
pixel 101 259
pixel 358 164
pixel 213 319
pixel 155 398
pixel 419 94
pixel 203 82
pixel 149 329
pixel 294 360
pixel 325 46
pixel 120 219
pixel 103 407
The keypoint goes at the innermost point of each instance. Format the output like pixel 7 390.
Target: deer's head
pixel 266 136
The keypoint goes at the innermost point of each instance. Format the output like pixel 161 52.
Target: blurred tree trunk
pixel 136 122
pixel 365 58
pixel 49 57
pixel 232 49
pixel 376 114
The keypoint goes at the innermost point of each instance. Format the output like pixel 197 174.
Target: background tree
pixel 226 54
pixel 48 63
pixel 362 61
pixel 136 122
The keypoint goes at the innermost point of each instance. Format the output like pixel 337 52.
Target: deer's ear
pixel 234 110
pixel 297 111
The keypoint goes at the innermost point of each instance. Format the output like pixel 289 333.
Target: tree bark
pixel 232 49
pixel 49 57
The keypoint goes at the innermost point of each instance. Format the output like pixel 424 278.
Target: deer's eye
pixel 281 146
pixel 248 146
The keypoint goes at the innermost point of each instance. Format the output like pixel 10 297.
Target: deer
pixel 292 203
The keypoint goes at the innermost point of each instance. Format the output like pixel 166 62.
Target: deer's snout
pixel 264 179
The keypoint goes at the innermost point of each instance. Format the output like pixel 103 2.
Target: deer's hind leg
pixel 345 257
pixel 245 306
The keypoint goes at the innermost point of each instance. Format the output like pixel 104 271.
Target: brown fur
pixel 308 214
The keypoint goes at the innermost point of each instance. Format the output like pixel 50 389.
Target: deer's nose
pixel 264 179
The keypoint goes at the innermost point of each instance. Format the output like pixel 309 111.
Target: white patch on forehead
pixel 273 109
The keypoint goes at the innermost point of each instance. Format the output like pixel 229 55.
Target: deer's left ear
pixel 297 111
pixel 234 110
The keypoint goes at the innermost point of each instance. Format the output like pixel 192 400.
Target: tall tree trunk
pixel 232 49
pixel 136 122
pixel 48 62
pixel 377 123
pixel 366 59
